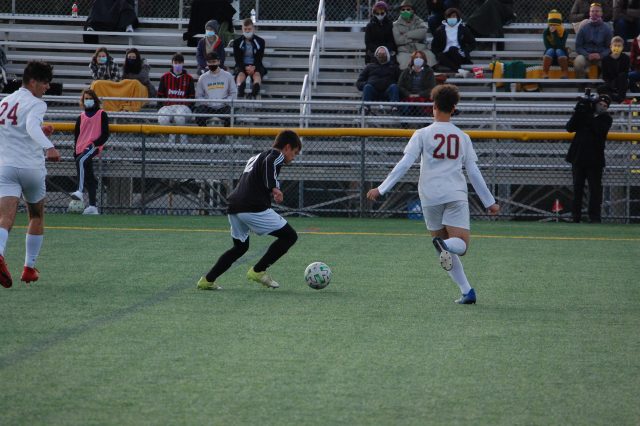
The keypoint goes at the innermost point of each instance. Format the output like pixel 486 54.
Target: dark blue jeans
pixel 370 93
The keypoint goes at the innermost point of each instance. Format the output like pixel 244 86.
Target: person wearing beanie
pixel 555 41
pixel 211 42
pixel 378 81
pixel 409 33
pixel 379 32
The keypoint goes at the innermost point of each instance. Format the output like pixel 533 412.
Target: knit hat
pixel 381 5
pixel 555 17
pixel 213 24
pixel 406 3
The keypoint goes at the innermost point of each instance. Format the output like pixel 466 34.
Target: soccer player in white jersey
pixel 24 145
pixel 444 149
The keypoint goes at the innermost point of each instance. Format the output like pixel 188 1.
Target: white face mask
pixel 381 17
pixel 418 62
pixel 248 34
pixel 89 103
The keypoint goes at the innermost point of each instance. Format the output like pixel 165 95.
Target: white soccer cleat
pixel 77 195
pixel 446 261
pixel 91 210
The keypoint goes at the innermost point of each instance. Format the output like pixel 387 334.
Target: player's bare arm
pixel 373 194
pixel 47 130
pixel 52 154
pixel 493 209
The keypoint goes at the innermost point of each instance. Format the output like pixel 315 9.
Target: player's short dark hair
pixel 247 22
pixel 287 137
pixel 445 97
pixel 38 71
pixel 177 57
pixel 211 56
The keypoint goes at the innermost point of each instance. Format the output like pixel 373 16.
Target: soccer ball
pixel 75 206
pixel 317 275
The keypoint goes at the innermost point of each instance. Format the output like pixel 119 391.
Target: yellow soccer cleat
pixel 203 284
pixel 262 278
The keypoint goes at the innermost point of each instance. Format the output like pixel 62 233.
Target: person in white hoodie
pixel 453 42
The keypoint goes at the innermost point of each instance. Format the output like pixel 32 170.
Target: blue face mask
pixel 89 103
pixel 452 21
pixel 210 33
pixel 102 59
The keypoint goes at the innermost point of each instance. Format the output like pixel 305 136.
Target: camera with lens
pixel 587 102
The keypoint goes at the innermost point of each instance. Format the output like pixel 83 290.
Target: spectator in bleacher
pixel 615 71
pixel 555 45
pixel 592 41
pixel 90 134
pixel 626 19
pixel 591 124
pixel 112 15
pixel 378 80
pixel 136 68
pixel 379 32
pixel 453 41
pixel 410 33
pixel 211 42
pixel 217 88
pixel 416 82
pixel 490 17
pixel 203 11
pixel 248 51
pixel 103 66
pixel 579 14
pixel 436 9
pixel 176 84
pixel 634 74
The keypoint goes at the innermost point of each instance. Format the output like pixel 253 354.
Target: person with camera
pixel 591 123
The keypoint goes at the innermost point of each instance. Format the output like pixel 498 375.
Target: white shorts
pixel 30 183
pixel 260 223
pixel 455 213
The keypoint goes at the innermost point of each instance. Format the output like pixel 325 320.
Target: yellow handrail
pixel 336 132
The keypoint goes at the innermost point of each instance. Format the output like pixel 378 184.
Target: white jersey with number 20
pixel 22 141
pixel 445 149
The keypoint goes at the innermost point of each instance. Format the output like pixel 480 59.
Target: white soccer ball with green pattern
pixel 75 206
pixel 317 275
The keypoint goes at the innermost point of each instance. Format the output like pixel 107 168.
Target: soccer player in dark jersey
pixel 250 210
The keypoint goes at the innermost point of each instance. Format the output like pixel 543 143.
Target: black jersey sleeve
pixel 272 165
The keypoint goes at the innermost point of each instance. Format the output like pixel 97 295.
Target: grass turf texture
pixel 116 333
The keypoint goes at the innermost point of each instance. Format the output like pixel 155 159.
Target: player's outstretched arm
pixel 373 194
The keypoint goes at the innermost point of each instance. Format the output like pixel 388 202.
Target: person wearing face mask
pixel 90 134
pixel 409 34
pixel 591 123
pixel 436 9
pixel 103 67
pixel 453 42
pixel 415 83
pixel 626 18
pixel 211 42
pixel 379 32
pixel 592 41
pixel 136 68
pixel 378 80
pixel 248 51
pixel 216 88
pixel 176 84
pixel 554 38
pixel 615 71
pixel 579 14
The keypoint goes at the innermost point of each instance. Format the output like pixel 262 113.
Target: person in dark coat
pixel 615 71
pixel 379 32
pixel 436 9
pixel 203 11
pixel 457 51
pixel 110 15
pixel 248 51
pixel 415 84
pixel 378 80
pixel 488 19
pixel 591 123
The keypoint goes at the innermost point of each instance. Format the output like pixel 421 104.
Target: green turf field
pixel 116 333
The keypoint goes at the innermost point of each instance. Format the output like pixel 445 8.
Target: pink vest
pixel 90 130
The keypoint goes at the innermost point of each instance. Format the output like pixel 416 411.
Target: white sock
pixel 33 244
pixel 456 245
pixel 4 236
pixel 458 276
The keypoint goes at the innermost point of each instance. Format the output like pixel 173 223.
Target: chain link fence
pixel 270 10
pixel 163 174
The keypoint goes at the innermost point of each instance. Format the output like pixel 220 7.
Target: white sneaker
pixel 91 210
pixel 129 29
pixel 77 195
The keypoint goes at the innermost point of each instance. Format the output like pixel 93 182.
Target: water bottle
pixel 74 10
pixel 253 16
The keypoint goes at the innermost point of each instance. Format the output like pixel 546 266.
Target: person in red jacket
pixel 634 75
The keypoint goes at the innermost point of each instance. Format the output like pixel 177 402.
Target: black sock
pixel 226 260
pixel 241 90
pixel 286 238
pixel 255 90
